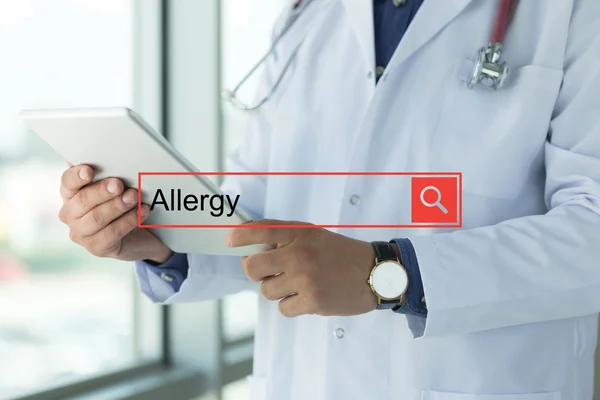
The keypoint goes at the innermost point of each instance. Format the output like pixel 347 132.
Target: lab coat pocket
pixel 257 387
pixel 433 395
pixel 494 137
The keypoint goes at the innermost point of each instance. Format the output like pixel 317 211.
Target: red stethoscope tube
pixel 504 11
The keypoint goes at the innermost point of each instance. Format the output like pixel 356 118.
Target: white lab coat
pixel 512 296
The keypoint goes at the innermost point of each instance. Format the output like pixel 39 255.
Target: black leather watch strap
pixel 384 251
pixel 387 304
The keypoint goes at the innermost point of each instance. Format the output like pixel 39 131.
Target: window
pixel 64 315
pixel 72 322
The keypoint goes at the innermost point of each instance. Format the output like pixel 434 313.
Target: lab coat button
pixel 166 277
pixel 369 74
pixel 339 333
pixel 354 199
pixel 379 71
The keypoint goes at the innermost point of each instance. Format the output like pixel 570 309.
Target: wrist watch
pixel 388 279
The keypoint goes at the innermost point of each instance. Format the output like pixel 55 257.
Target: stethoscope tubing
pixel 502 19
pixel 231 95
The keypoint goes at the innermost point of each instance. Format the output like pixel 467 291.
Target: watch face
pixel 389 280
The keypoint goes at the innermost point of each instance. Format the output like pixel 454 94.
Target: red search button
pixel 435 200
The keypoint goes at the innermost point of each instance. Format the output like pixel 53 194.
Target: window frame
pixel 185 367
pixel 168 65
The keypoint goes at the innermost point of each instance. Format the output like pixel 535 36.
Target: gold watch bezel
pixel 370 280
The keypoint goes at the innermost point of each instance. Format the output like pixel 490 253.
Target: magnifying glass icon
pixel 436 203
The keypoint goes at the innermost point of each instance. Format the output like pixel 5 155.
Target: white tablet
pixel 117 142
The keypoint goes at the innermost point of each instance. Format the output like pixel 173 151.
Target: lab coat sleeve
pixel 210 276
pixel 536 268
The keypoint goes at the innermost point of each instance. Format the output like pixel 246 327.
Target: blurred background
pixel 72 325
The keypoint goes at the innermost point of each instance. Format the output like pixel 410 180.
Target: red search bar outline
pixel 458 224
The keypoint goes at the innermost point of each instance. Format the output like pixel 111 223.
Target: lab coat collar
pixel 360 14
pixel 431 18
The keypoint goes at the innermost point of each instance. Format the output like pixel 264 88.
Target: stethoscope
pixel 231 95
pixel 489 70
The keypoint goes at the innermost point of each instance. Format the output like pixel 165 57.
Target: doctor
pixel 503 309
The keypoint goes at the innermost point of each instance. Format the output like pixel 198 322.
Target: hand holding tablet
pixel 117 143
pixel 102 217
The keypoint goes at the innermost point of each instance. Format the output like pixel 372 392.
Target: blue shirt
pixel 390 24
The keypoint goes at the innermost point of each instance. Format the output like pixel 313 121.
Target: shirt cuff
pixel 173 272
pixel 414 307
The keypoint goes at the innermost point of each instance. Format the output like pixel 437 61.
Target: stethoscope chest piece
pixel 489 70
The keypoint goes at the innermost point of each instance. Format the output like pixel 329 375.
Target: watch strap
pixel 387 304
pixel 384 251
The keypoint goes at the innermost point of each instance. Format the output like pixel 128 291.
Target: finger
pixel 106 243
pixel 249 235
pixel 277 287
pixel 102 215
pixel 93 195
pixel 74 178
pixel 293 306
pixel 62 215
pixel 268 263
